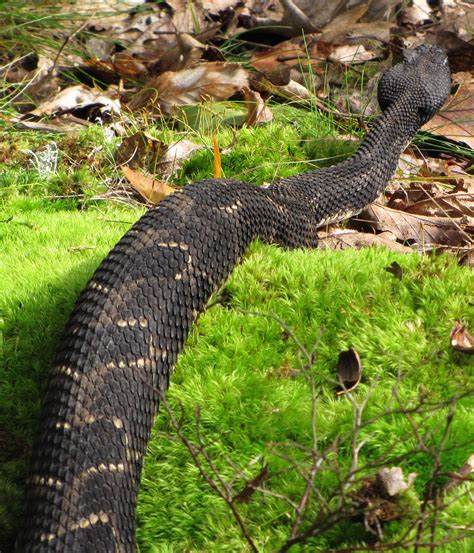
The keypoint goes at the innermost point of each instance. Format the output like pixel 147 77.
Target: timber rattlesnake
pixel 131 321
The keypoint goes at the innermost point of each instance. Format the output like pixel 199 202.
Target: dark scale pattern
pixel 129 324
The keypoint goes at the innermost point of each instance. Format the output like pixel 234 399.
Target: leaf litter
pixel 149 61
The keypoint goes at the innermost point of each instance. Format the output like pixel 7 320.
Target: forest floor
pixel 254 401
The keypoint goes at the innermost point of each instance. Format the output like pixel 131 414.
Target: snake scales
pixel 129 324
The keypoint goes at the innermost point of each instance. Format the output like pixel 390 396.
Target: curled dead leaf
pixel 349 371
pixel 175 154
pixel 151 190
pixel 461 340
pixel 257 111
pixel 291 90
pixel 209 81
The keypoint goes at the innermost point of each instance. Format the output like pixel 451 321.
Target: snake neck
pixel 358 181
pixel 390 133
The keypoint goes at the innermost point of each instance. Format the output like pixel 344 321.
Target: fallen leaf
pixel 140 150
pixel 208 81
pixel 450 205
pixel 349 371
pixel 338 27
pixel 460 52
pixel 289 53
pixel 351 53
pixel 65 123
pixel 151 190
pixel 417 14
pixel 76 100
pixel 461 340
pixel 187 51
pixel 120 66
pixel 257 111
pixel 456 119
pixel 175 154
pixel 353 239
pixel 422 230
pixel 291 90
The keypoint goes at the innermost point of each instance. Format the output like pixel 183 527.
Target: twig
pixel 223 492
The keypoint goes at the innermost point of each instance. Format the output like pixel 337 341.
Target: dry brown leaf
pixel 349 371
pixel 296 18
pixel 78 97
pixel 175 154
pixel 450 205
pixel 65 123
pixel 187 17
pixel 150 189
pixel 351 53
pixel 140 150
pixel 298 53
pixel 423 230
pixel 339 26
pixel 257 111
pixel 415 15
pixel 292 90
pixel 112 69
pixel 456 120
pixel 413 164
pixel 461 340
pixel 187 52
pixel 205 82
pixel 289 53
pixel 376 30
pixel 354 239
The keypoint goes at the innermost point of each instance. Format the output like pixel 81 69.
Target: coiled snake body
pixel 131 321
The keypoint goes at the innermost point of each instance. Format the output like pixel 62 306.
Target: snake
pixel 116 354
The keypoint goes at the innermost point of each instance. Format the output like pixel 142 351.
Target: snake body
pixel 115 357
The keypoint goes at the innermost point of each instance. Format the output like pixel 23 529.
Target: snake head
pixel 422 79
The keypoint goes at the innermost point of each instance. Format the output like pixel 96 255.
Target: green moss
pixel 241 370
pixel 244 373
